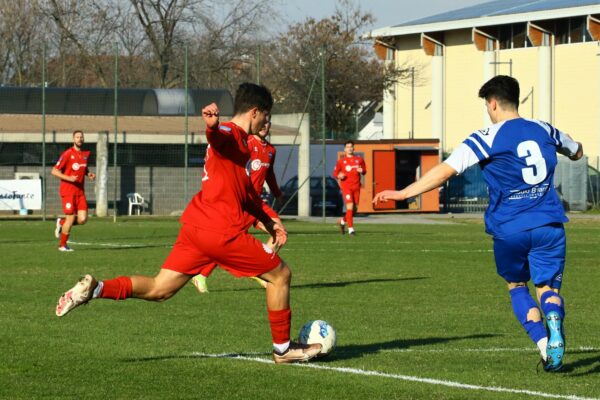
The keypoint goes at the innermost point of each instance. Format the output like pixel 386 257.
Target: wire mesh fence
pixel 158 137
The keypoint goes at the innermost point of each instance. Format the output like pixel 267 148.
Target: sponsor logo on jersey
pixel 68 206
pixel 256 164
pixel 485 131
pixel 558 278
pixel 75 166
pixel 224 128
pixel 348 168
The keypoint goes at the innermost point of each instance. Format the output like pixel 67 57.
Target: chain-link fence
pixel 577 183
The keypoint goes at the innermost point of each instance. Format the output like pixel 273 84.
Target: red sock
pixel 63 240
pixel 281 321
pixel 62 221
pixel 119 288
pixel 349 221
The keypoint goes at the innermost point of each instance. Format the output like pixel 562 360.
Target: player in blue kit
pixel 525 216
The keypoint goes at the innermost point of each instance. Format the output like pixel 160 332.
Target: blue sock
pixel 549 307
pixel 522 302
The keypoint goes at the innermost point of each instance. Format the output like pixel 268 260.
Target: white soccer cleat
pixel 79 294
pixel 57 229
pixel 65 248
pixel 297 353
pixel 199 282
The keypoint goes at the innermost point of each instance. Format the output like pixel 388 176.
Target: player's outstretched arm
pixel 434 178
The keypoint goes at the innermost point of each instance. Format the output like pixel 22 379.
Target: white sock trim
pixel 281 347
pixel 98 290
pixel 542 344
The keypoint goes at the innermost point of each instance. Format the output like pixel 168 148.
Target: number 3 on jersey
pixel 536 172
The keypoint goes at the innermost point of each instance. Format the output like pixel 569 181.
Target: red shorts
pixel 73 203
pixel 351 196
pixel 240 255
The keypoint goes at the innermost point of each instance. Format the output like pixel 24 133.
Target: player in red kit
pixel 71 169
pixel 262 159
pixel 214 231
pixel 347 171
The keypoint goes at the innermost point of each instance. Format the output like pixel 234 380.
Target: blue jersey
pixel 518 159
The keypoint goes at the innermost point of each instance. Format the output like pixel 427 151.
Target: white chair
pixel 137 202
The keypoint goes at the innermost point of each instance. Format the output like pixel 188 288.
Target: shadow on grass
pixel 360 350
pixel 331 284
pixel 583 363
pixel 341 353
pixel 124 247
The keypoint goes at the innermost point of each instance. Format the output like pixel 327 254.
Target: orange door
pixel 384 176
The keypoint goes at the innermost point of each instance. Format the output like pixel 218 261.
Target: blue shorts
pixel 537 254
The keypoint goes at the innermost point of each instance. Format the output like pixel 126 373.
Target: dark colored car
pixel 333 197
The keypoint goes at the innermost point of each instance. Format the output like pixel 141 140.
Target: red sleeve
pixel 272 180
pixel 254 205
pixel 337 169
pixel 363 166
pixel 219 136
pixel 62 161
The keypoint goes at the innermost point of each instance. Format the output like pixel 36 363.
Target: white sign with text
pixel 18 194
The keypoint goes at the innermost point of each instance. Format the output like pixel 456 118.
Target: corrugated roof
pixel 500 7
pixel 497 12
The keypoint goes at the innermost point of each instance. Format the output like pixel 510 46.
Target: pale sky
pixel 386 12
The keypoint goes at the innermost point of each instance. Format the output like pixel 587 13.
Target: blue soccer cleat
pixel 556 343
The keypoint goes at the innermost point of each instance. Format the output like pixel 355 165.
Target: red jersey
pixel 73 162
pixel 349 166
pixel 262 159
pixel 227 192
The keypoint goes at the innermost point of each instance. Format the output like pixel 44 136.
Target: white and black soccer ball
pixel 318 331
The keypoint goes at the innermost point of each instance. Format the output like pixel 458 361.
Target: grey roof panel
pixel 500 7
pixel 100 101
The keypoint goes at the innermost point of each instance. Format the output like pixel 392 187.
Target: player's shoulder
pixel 486 136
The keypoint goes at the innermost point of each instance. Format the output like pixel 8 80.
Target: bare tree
pixel 163 22
pixel 226 41
pixel 20 42
pixel 354 76
pixel 84 36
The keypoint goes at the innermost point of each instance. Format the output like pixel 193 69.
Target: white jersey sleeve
pixel 564 144
pixel 568 147
pixel 462 158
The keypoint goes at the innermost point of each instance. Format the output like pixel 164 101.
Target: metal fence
pixel 577 183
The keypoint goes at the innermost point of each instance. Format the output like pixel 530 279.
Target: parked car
pixel 333 198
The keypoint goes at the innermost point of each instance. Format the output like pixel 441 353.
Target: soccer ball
pixel 318 332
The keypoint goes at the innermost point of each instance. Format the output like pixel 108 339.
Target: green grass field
pixel 418 309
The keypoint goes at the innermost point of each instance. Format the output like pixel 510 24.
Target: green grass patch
pixel 406 300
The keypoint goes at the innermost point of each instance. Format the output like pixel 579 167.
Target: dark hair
pixel 349 142
pixel 505 89
pixel 77 131
pixel 249 95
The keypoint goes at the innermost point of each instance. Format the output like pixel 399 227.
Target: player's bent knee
pixel 281 275
pixel 81 221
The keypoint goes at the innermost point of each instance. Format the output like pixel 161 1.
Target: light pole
pixel 530 94
pixel 509 62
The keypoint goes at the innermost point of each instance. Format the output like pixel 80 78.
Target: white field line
pixel 118 245
pixel 358 371
pixel 581 349
pixel 365 249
